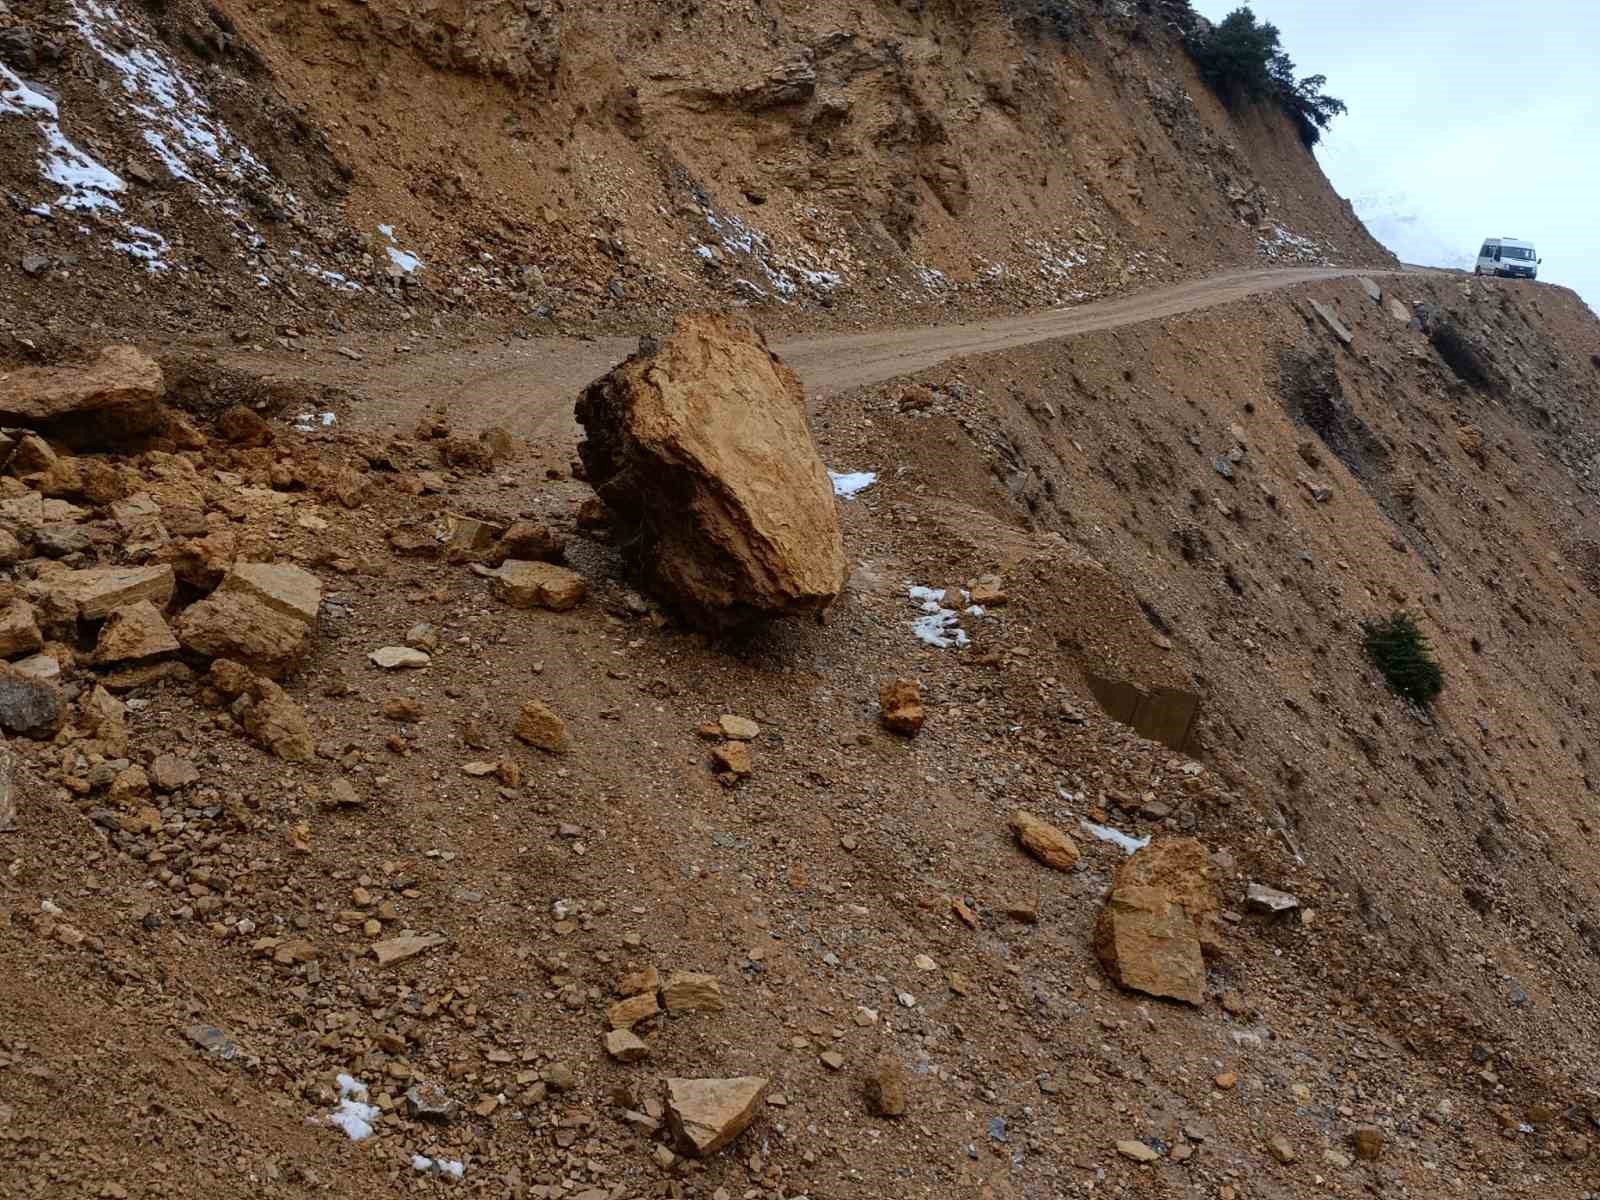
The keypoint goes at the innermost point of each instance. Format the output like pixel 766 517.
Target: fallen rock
pixel 262 614
pixel 529 541
pixel 700 450
pixel 1282 1149
pixel 395 658
pixel 885 1089
pixel 1261 898
pixel 470 539
pixel 398 949
pixel 707 1114
pixel 1147 943
pixel 1044 841
pixel 1137 1150
pixel 282 587
pixel 1368 1142
pixel 691 991
pixel 988 591
pixel 242 426
pixel 105 718
pixel 539 585
pixel 430 1102
pixel 626 1046
pixel 738 729
pixel 92 593
pixel 170 773
pixel 275 722
pixel 732 761
pixel 29 706
pixel 134 633
pixel 113 397
pixel 902 710
pixel 539 726
pixel 625 1014
pixel 19 630
pixel 1181 868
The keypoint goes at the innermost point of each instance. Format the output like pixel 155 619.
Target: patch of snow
pixel 784 278
pixel 848 484
pixel 353 1115
pixel 89 184
pixel 387 231
pixel 308 422
pixel 704 251
pixel 1115 836
pixel 1279 244
pixel 19 97
pixel 448 1168
pixel 932 280
pixel 146 245
pixel 403 260
pixel 939 626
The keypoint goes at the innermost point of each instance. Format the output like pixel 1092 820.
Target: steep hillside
pixel 176 166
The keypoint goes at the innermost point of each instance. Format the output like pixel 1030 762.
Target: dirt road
pixel 529 386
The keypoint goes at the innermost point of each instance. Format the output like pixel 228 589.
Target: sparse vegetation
pixel 1243 61
pixel 1400 651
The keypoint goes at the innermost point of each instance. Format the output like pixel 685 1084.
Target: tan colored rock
pixel 1368 1142
pixel 989 591
pixel 1147 943
pixel 701 451
pixel 32 457
pixel 738 729
pixel 104 718
pixel 625 1014
pixel 94 591
pixel 645 979
pixel 399 949
pixel 19 630
pixel 732 761
pixel 885 1089
pixel 1182 868
pixel 134 633
pixel 691 991
pixel 901 707
pixel 131 784
pixel 39 666
pixel 530 541
pixel 707 1114
pixel 1138 1151
pixel 539 726
pixel 275 722
pixel 626 1046
pixel 170 773
pixel 282 587
pixel 396 658
pixel 241 426
pixel 470 539
pixel 114 396
pixel 1282 1149
pixel 539 585
pixel 1044 841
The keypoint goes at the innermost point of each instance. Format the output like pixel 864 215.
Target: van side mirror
pixel 1538 262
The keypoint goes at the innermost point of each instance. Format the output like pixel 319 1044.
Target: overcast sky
pixel 1468 119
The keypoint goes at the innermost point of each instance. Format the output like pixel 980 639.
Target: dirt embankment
pixel 273 170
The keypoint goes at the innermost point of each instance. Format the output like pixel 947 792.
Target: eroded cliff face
pixel 573 162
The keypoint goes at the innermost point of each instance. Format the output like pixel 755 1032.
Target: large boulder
pixel 113 397
pixel 263 615
pixel 699 448
pixel 1160 921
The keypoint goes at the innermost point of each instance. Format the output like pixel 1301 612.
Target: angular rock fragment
pixel 901 707
pixel 691 991
pixel 539 726
pixel 113 397
pixel 707 1114
pixel 539 585
pixel 700 449
pixel 134 633
pixel 1044 841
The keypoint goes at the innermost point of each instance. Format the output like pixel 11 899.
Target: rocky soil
pixel 329 823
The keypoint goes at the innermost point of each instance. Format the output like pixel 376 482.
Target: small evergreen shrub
pixel 1243 61
pixel 1403 656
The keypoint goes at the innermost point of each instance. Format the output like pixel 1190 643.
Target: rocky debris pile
pixel 700 450
pixel 1161 920
pixel 113 399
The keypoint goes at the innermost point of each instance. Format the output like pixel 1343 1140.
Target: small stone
pixel 1261 898
pixel 923 963
pixel 395 658
pixel 401 948
pixel 406 709
pixel 1337 1159
pixel 625 1014
pixel 626 1046
pixel 1368 1141
pixel 732 761
pixel 833 1060
pixel 738 729
pixel 539 726
pixel 988 592
pixel 1137 1150
pixel 885 1089
pixel 1282 1149
pixel 690 991
pixel 558 1077
pixel 539 585
pixel 1226 1081
pixel 430 1102
pixel 170 773
pixel 707 1114
pixel 902 710
pixel 646 979
pixel 1044 841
